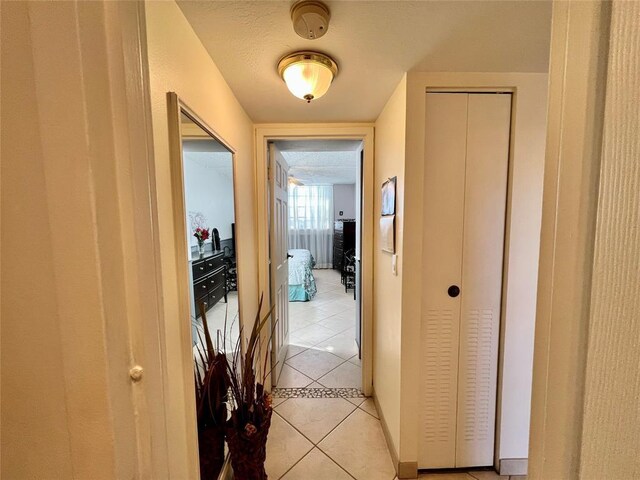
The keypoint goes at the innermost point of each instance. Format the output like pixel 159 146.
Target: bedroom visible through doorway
pixel 323 263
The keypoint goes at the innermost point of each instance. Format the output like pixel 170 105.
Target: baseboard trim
pixel 385 430
pixel 407 469
pixel 513 466
pixel 403 469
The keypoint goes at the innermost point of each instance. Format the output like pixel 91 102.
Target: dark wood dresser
pixel 209 280
pixel 344 239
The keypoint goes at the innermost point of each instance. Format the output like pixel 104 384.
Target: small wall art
pixel 387 233
pixel 389 197
pixel 388 217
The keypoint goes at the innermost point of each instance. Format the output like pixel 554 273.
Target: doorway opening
pixel 313 421
pixel 315 197
pixel 266 137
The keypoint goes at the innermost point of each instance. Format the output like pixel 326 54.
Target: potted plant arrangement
pixel 201 235
pixel 251 409
pixel 210 370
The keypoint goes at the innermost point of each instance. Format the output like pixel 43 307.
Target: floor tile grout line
pixel 359 406
pixel 340 466
pixel 329 371
pixel 285 360
pixel 345 361
pixel 338 424
pixel 322 453
pixel 314 325
pixel 323 351
pixel 324 375
pixel 318 322
pixel 328 433
pixel 333 430
pixel 296 463
pixel 315 445
pixel 305 386
pixel 317 380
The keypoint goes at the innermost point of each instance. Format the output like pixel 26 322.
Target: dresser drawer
pixel 213 263
pixel 215 296
pixel 201 288
pixel 207 304
pixel 216 279
pixel 198 269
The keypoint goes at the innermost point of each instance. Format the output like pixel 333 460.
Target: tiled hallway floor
pixel 325 438
pixel 329 438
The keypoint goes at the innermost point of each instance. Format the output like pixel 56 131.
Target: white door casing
pixel 279 261
pixel 466 161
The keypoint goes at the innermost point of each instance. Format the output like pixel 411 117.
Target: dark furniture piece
pixel 344 239
pixel 349 271
pixel 209 280
pixel 231 270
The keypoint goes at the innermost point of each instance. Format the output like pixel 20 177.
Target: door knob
pixel 453 291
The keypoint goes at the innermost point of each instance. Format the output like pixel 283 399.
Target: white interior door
pixel 466 162
pixel 358 286
pixel 445 144
pixel 488 120
pixel 279 260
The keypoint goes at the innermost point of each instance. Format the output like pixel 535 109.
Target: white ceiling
pixel 204 145
pixel 211 160
pixel 374 42
pixel 321 162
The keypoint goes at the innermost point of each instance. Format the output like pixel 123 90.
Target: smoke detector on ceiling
pixel 310 19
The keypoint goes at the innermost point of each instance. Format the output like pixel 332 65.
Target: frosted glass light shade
pixel 308 75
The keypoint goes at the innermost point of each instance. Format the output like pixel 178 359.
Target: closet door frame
pixel 507 239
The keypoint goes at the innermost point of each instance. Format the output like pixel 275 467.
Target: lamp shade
pixel 308 75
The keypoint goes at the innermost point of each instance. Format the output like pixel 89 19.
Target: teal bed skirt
pixel 302 285
pixel 297 293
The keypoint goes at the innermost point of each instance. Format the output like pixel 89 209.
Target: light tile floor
pixel 330 438
pixel 311 435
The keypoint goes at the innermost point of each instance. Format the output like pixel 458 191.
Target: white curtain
pixel 311 221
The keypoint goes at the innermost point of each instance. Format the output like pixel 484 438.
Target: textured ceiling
pixel 321 162
pixel 318 145
pixel 374 42
pixel 221 162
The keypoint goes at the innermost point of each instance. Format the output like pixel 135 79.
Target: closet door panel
pixel 445 145
pixel 488 130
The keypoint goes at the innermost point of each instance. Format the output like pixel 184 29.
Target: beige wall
pixel 387 288
pixel 179 63
pixel 397 300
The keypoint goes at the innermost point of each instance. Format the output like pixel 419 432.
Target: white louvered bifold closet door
pixel 466 163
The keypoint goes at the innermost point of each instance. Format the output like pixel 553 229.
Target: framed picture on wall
pixel 388 233
pixel 389 197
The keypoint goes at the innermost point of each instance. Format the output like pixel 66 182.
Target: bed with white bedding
pixel 302 285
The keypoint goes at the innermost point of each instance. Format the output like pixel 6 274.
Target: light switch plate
pixel 394 264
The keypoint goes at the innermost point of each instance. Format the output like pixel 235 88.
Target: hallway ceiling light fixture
pixel 308 75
